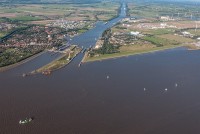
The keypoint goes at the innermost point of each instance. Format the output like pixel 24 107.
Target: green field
pixel 159 31
pixel 26 18
pixel 2 34
pixel 128 53
pixel 156 9
pixel 32 12
pixel 176 38
pixel 159 41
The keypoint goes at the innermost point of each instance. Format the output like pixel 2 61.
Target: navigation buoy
pixel 24 75
pixel 176 85
pixel 107 77
pixel 166 89
pixel 145 89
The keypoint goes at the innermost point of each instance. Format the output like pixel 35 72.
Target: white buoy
pixel 176 85
pixel 166 89
pixel 107 77
pixel 145 89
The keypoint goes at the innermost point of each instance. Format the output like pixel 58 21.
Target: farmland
pixel 34 12
pixel 157 9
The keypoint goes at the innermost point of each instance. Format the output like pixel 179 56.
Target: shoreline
pixel 50 67
pixel 37 72
pixel 125 54
pixel 6 68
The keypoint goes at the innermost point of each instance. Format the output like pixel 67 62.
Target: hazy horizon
pixel 83 1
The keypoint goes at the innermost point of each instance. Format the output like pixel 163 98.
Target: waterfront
pixel 82 100
pixel 104 97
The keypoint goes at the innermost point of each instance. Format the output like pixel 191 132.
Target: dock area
pixel 60 62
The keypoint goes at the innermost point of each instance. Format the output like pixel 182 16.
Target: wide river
pixel 154 93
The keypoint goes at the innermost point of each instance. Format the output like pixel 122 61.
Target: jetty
pixel 60 62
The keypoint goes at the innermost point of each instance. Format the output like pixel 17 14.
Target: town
pixel 134 35
pixel 24 34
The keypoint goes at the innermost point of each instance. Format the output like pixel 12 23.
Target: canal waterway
pixel 90 37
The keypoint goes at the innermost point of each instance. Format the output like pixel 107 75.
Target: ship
pixel 25 121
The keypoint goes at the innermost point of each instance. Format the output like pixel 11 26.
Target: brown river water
pixel 154 93
pixel 83 100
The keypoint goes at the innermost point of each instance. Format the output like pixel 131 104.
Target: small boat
pixel 176 85
pixel 166 89
pixel 79 65
pixel 27 120
pixel 24 75
pixel 107 77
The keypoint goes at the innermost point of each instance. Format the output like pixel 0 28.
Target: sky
pixel 91 0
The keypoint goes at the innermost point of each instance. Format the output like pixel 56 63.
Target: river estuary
pixel 154 93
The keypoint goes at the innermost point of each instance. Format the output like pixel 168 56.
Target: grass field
pixel 176 38
pixel 129 50
pixel 159 31
pixel 157 41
